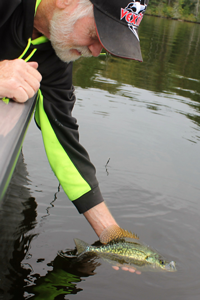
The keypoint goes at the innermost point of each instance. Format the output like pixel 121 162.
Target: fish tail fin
pixel 114 232
pixel 80 245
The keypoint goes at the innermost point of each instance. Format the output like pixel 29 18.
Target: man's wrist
pixel 100 218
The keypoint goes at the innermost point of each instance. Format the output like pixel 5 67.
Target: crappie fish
pixel 123 247
pixel 124 251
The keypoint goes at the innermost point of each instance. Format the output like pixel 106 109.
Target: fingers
pixel 19 80
pixel 115 268
pixel 22 94
pixel 33 64
pixel 32 69
pixel 32 82
pixel 127 268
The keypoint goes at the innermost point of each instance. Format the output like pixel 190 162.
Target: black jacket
pixel 68 159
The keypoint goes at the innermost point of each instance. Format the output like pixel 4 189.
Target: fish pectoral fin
pixel 115 232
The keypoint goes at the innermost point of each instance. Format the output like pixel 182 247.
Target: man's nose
pixel 95 48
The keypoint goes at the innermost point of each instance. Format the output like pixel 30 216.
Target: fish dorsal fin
pixel 80 245
pixel 114 232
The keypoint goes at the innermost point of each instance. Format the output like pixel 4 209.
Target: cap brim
pixel 116 38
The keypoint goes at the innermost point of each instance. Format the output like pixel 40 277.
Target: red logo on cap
pixel 133 14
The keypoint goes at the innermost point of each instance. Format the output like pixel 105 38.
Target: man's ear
pixel 63 3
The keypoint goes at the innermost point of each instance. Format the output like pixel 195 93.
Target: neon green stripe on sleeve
pixel 69 177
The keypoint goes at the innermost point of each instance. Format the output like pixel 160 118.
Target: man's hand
pixel 19 80
pixel 101 220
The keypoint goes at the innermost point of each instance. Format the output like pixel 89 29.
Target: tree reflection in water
pixel 63 278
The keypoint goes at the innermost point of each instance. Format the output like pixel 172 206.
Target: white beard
pixel 61 26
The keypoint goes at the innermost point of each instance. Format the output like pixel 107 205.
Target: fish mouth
pixel 171 267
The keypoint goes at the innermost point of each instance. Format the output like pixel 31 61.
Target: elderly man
pixel 39 39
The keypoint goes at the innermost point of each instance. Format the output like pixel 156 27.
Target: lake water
pixel 144 120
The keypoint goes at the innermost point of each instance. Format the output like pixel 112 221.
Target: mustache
pixel 84 51
pixel 67 54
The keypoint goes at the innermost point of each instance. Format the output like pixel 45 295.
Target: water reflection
pixel 63 279
pixel 17 219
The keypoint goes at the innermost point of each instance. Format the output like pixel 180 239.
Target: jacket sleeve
pixel 68 159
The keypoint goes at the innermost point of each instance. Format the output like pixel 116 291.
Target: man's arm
pixel 19 80
pixel 100 218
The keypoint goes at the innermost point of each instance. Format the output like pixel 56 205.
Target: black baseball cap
pixel 117 24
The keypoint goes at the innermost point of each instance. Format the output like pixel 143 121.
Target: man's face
pixel 74 35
